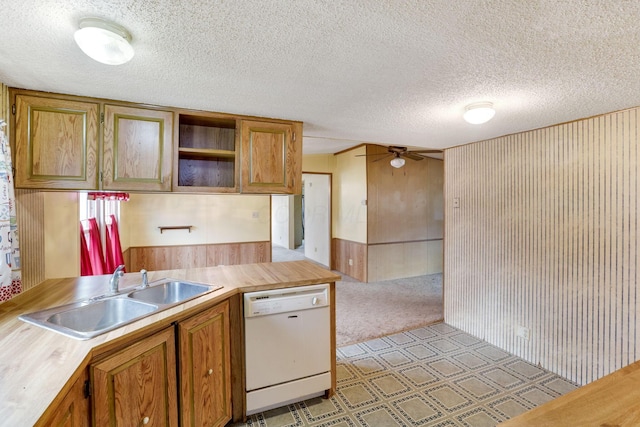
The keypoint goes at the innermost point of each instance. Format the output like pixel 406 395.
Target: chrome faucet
pixel 115 279
pixel 145 281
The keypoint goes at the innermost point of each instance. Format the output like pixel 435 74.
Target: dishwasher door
pixel 287 346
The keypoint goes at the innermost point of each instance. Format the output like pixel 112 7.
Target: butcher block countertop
pixel 36 364
pixel 611 401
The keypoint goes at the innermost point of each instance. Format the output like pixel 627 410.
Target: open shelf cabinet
pixel 207 154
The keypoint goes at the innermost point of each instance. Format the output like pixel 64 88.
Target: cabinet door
pixel 73 410
pixel 205 368
pixel 137 149
pixel 56 143
pixel 137 386
pixel 271 157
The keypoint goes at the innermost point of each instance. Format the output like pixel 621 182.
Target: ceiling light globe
pixel 477 114
pixel 397 162
pixel 104 42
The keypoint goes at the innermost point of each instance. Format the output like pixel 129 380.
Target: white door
pixel 317 217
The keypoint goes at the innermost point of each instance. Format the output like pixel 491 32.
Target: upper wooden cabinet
pixel 206 154
pixel 56 143
pixel 271 157
pixel 137 149
pixel 59 145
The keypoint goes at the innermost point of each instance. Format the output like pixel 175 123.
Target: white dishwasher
pixel 287 346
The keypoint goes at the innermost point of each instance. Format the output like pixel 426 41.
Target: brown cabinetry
pixel 59 145
pixel 137 149
pixel 72 411
pixel 271 157
pixel 56 142
pixel 137 385
pixel 206 154
pixel 205 368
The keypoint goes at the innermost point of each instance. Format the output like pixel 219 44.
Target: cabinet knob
pixel 145 420
pixel 210 372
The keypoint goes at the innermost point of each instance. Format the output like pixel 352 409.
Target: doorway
pixel 301 225
pixel 316 221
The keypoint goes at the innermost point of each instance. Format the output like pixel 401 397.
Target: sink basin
pixel 101 315
pixel 170 292
pixel 87 319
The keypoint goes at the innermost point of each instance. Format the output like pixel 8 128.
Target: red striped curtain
pixel 95 249
pixel 85 258
pixel 114 250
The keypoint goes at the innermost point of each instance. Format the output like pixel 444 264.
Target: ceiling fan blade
pixel 372 154
pixel 411 155
pixel 428 151
pixel 382 158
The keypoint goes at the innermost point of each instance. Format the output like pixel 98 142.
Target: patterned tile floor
pixel 432 376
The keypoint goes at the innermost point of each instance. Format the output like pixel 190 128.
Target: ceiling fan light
pixel 397 162
pixel 104 41
pixel 479 113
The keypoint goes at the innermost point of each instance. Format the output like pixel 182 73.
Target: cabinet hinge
pixel 87 389
pixel 101 118
pixel 13 109
pixel 101 176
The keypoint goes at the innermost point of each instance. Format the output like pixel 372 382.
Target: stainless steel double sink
pixel 90 318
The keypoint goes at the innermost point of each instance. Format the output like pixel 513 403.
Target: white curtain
pixel 10 277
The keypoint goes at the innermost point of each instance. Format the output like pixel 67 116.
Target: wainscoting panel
pixel 238 253
pixel 344 250
pixel 546 237
pixel 193 256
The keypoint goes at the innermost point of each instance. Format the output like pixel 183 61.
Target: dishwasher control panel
pixel 275 301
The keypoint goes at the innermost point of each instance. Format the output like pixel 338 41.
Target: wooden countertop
pixel 35 363
pixel 610 401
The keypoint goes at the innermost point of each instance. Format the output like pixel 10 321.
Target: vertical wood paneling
pixel 546 237
pixel 30 217
pixel 344 250
pixel 5 110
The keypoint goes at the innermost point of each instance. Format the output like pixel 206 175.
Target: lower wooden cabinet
pixel 205 368
pixel 137 386
pixel 72 411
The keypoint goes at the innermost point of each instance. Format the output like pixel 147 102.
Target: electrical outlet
pixel 350 261
pixel 522 332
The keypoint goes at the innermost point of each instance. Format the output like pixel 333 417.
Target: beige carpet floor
pixel 370 310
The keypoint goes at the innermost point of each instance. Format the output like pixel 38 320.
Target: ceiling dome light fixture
pixel 104 41
pixel 397 162
pixel 479 113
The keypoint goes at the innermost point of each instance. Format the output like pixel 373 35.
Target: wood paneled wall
pixel 405 216
pixel 30 215
pixel 193 256
pixel 546 237
pixel 5 109
pixel 344 250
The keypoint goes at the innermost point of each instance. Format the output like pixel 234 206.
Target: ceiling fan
pixel 399 153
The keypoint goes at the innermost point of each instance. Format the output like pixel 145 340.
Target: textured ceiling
pixel 390 72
